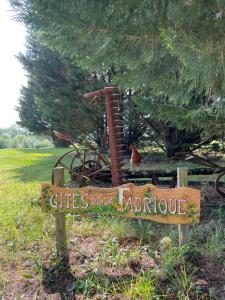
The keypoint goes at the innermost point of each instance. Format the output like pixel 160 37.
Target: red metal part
pixel 115 128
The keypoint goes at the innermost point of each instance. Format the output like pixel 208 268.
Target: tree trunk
pixel 179 140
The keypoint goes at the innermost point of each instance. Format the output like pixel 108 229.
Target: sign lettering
pixel 169 206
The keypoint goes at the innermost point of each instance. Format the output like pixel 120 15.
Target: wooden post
pixel 183 229
pixel 60 219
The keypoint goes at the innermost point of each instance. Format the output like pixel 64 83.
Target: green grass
pixel 27 165
pixel 21 172
pixel 142 288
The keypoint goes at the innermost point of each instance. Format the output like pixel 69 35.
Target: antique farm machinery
pixel 215 168
pixel 84 169
pixel 115 130
pixel 91 167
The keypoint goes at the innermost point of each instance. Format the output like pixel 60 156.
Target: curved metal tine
pixel 101 157
pixel 207 161
pixel 78 152
pixel 201 160
pixel 105 160
pixel 71 165
pixel 58 161
pixel 103 142
pixel 65 166
pixel 72 173
pixel 98 171
pixel 216 185
pixel 84 158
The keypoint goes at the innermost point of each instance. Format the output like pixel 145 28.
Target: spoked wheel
pixel 83 171
pixel 89 172
pixel 209 163
pixel 217 184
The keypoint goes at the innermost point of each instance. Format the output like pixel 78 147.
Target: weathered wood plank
pixel 60 219
pixel 169 206
pixel 183 229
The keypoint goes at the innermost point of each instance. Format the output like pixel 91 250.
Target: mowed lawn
pixel 21 220
pixel 21 173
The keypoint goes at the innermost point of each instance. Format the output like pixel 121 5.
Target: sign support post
pixel 183 229
pixel 60 219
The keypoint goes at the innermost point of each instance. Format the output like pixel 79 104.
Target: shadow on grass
pixel 39 171
pixel 58 279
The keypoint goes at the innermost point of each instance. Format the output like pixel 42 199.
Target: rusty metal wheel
pixel 81 170
pixel 217 184
pixel 207 162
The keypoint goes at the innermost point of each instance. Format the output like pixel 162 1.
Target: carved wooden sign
pixel 169 206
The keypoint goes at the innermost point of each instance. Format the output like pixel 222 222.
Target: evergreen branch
pixel 129 37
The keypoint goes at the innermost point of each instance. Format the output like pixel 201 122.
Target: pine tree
pixel 53 99
pixel 175 48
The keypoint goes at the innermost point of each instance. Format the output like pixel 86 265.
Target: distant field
pixel 27 165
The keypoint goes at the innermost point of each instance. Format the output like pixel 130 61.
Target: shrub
pixel 5 141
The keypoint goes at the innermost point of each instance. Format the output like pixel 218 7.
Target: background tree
pixel 53 99
pixel 173 129
pixel 5 141
pixel 18 137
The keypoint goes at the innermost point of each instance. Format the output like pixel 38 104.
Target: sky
pixel 12 75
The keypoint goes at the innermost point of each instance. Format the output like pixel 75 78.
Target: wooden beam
pixel 147 202
pixel 60 218
pixel 100 93
pixel 183 230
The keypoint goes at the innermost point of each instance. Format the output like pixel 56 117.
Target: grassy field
pixel 110 258
pixel 21 224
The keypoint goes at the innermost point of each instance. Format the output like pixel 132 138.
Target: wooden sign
pixel 169 206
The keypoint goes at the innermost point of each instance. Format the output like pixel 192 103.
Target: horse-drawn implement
pixel 89 166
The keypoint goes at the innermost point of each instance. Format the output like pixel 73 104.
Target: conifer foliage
pixel 53 99
pixel 175 48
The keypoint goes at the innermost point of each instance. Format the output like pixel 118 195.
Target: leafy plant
pixel 215 244
pixel 173 257
pixel 142 288
pixel 91 285
pixel 182 282
pixel 118 227
pixel 210 237
pixel 112 255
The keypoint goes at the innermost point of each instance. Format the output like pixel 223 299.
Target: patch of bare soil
pixel 57 280
pixel 211 274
